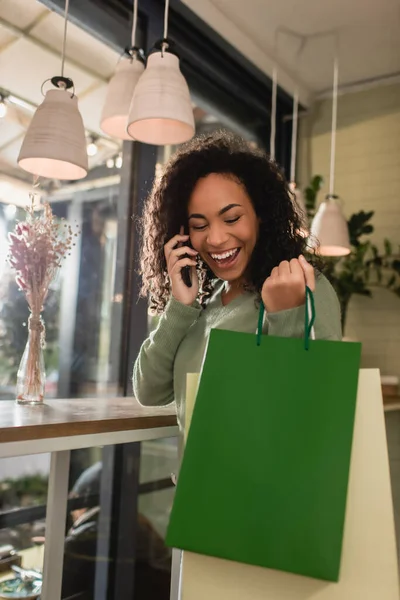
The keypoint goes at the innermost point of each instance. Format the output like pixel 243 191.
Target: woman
pixel 224 211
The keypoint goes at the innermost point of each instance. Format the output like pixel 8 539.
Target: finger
pixel 309 274
pixel 172 243
pixel 274 273
pixel 270 282
pixel 183 250
pixel 284 268
pixel 295 268
pixel 182 230
pixel 183 262
pixel 179 253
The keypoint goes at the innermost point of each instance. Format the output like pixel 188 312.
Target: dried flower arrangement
pixel 36 249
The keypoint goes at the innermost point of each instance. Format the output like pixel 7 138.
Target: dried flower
pixel 36 249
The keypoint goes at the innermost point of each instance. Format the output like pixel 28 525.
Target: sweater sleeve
pixel 153 372
pixel 327 326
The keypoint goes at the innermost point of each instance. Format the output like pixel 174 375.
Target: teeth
pixel 224 255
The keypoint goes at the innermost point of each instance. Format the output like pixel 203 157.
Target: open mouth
pixel 225 259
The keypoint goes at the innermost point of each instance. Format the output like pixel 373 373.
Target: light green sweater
pixel 177 346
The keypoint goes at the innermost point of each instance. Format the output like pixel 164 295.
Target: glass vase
pixel 31 376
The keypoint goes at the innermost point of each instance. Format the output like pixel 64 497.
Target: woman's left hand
pixel 285 288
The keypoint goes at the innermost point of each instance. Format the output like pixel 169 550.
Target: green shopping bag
pixel 265 470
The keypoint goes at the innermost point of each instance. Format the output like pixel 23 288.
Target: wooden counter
pixel 78 417
pixel 80 423
pixel 59 426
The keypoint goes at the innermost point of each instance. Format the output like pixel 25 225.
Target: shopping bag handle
pixel 309 319
pixel 309 332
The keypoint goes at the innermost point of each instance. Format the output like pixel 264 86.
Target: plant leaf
pixel 396 266
pixel 388 247
pixel 391 281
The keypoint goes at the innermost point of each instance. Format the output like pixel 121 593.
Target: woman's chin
pixel 229 275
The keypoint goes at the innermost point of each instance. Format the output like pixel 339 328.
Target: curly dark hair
pixel 165 211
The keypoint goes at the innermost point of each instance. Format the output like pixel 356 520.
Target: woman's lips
pixel 227 260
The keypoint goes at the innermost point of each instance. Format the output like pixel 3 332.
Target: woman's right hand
pixel 176 259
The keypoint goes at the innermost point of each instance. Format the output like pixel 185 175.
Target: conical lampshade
pixel 55 145
pixel 161 111
pixel 330 228
pixel 114 118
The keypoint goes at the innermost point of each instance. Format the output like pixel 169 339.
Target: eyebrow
pixel 221 212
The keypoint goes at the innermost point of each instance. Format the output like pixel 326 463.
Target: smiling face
pixel 223 226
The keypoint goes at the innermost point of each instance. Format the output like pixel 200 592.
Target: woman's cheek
pixel 195 242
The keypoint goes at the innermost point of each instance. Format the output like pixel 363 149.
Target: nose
pixel 216 235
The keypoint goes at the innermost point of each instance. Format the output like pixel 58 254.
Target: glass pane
pixel 158 465
pixel 81 542
pixel 82 313
pixel 86 296
pixel 156 492
pixel 23 495
pixel 78 309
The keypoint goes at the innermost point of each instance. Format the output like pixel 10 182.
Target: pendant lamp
pixel 329 225
pixel 114 118
pixel 161 111
pixel 55 144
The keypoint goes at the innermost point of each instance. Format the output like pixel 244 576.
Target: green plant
pixel 311 194
pixel 366 266
pixel 31 489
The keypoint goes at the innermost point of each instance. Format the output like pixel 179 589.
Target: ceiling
pixel 30 53
pixel 368 33
pixel 31 39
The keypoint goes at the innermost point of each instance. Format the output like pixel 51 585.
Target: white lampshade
pixel 161 111
pixel 55 144
pixel 330 228
pixel 114 118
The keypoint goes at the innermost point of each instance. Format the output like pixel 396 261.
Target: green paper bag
pixel 265 470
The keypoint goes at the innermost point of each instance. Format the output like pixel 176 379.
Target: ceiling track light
pixel 92 147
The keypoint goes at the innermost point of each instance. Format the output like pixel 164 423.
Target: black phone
pixel 186 276
pixel 185 271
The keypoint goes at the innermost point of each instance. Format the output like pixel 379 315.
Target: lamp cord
pixel 134 25
pixel 294 135
pixel 65 37
pixel 334 124
pixel 295 118
pixel 166 19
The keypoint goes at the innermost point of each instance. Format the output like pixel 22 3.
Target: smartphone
pixel 185 271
